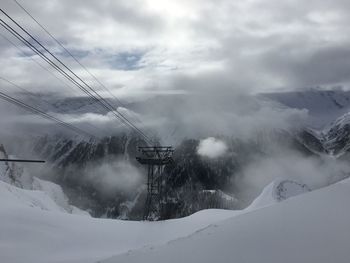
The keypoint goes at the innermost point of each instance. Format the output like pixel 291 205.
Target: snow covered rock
pixel 48 195
pixel 336 136
pixel 277 191
pixel 13 173
pixel 334 139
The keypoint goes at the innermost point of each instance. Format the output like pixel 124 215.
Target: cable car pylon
pixel 155 158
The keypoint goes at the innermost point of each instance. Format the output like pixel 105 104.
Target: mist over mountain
pixel 131 131
pixel 102 176
pixel 324 106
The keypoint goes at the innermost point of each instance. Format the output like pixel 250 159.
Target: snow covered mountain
pixel 270 229
pixel 87 169
pixel 12 173
pixel 334 139
pixel 94 173
pixel 324 106
pixel 328 127
pixel 63 151
pixel 101 176
pixel 32 191
pixel 77 163
pixel 83 168
pixel 49 102
pixel 310 228
pixel 35 229
pixel 277 191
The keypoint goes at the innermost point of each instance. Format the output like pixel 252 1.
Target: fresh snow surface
pixel 34 228
pixel 309 228
pixel 11 196
pixel 55 193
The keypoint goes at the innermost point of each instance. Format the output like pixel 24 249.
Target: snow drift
pixel 312 228
pixel 34 228
pixel 277 191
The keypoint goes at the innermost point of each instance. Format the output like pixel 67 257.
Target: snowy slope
pixel 14 196
pixel 13 173
pixel 336 135
pixel 277 191
pixel 310 228
pixel 35 229
pixel 334 139
pixel 56 194
pixel 47 195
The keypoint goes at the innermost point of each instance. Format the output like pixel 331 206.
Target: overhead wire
pixel 73 57
pixel 34 49
pixel 100 99
pixel 43 114
pixel 70 54
pixel 66 50
pixel 33 95
pixel 32 59
pixel 27 92
pixel 91 92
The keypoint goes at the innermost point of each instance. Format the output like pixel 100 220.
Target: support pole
pixel 155 158
pixel 21 161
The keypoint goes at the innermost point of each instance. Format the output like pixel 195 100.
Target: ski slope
pixel 311 227
pixel 34 228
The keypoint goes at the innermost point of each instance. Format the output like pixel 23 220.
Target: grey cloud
pixel 305 67
pixel 218 50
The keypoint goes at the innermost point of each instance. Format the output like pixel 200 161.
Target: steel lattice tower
pixel 155 157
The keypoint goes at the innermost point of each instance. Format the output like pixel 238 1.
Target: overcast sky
pixel 174 47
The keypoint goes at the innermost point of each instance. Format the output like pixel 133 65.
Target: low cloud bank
pixel 112 177
pixel 315 172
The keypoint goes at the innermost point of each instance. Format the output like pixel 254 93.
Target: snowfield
pixel 34 228
pixel 311 227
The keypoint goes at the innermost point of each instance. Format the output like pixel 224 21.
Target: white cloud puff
pixel 211 148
